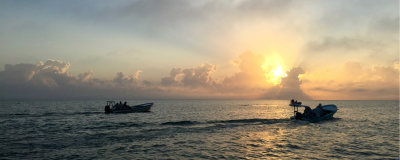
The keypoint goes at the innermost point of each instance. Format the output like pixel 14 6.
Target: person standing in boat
pixel 308 114
pixel 125 105
pixel 318 110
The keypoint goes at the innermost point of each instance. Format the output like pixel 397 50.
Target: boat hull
pixel 132 109
pixel 325 117
pixel 326 112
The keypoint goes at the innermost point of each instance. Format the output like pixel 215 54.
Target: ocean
pixel 196 129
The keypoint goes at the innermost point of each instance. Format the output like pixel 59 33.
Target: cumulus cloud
pixel 50 74
pixel 250 81
pixel 51 79
pixel 121 80
pixel 191 77
pixel 250 75
pixel 18 73
pixel 290 86
pixel 84 77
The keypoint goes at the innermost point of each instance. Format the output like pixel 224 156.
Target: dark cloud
pixel 123 80
pixel 50 74
pixel 19 73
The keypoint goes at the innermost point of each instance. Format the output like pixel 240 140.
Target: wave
pixel 254 120
pixel 181 123
pixel 110 125
pixel 242 121
pixel 48 114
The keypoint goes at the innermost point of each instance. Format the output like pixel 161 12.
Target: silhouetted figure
pixel 107 109
pixel 318 110
pixel 125 105
pixel 308 113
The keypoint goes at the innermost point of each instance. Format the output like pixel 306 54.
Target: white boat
pixel 319 113
pixel 113 107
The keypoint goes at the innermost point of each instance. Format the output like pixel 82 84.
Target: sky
pixel 202 49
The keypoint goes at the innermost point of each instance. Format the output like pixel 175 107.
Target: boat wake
pixel 48 114
pixel 181 123
pixel 233 121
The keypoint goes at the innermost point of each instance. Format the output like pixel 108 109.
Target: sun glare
pixel 276 75
pixel 274 70
pixel 278 72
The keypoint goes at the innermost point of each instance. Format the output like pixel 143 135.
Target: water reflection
pixel 198 130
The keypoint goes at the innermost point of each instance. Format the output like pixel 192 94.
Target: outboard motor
pixel 107 109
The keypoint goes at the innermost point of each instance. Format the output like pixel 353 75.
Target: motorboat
pixel 120 107
pixel 319 113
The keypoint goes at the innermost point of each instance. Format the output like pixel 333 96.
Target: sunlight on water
pixel 197 129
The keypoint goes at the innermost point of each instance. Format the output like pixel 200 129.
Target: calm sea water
pixel 197 129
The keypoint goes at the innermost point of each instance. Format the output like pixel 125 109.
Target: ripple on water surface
pixel 196 129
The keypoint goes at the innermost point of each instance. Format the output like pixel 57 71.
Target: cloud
pixel 250 81
pixel 341 44
pixel 386 25
pixel 50 74
pixel 19 73
pixel 191 77
pixel 84 77
pixel 290 87
pixel 121 80
pixel 250 70
pixel 354 80
pixel 52 80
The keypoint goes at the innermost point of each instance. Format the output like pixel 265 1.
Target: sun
pixel 276 75
pixel 279 72
pixel 274 70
